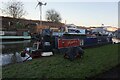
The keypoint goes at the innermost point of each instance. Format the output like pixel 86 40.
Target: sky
pixel 81 13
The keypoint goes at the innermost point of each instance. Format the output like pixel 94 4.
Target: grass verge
pixel 95 61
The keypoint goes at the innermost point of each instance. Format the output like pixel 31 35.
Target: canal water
pixel 10 51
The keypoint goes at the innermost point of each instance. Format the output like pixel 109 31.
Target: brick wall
pixel 31 25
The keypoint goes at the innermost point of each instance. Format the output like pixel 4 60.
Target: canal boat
pixel 15 37
pixel 70 44
pixel 35 52
pixel 12 35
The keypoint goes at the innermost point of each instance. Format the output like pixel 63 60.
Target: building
pixel 32 26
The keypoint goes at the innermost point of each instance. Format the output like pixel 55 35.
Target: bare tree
pixel 52 15
pixel 14 9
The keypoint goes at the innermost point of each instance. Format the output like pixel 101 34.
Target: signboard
pixel 64 43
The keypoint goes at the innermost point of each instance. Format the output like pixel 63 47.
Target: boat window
pixel 46 32
pixel 35 46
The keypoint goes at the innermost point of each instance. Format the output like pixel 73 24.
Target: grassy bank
pixel 95 60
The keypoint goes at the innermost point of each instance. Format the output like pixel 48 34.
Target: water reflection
pixel 11 51
pixel 14 46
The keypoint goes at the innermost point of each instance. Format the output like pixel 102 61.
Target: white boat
pixel 14 37
pixel 115 40
pixel 72 29
pixel 8 35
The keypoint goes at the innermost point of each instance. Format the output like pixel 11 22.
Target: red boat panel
pixel 64 43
